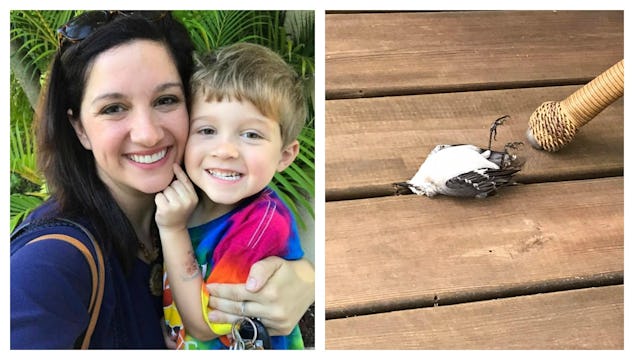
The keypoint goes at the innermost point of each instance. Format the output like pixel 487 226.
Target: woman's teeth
pixel 148 159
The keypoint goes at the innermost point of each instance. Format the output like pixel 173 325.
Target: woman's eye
pixel 112 109
pixel 167 100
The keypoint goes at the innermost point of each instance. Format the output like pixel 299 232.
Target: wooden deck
pixel 539 265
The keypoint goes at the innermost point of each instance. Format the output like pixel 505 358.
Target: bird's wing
pixel 480 181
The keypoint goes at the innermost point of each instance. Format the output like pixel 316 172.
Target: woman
pixel 112 123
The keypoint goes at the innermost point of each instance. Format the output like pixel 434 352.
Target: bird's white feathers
pixel 463 170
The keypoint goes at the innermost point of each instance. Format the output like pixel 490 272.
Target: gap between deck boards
pixel 458 88
pixel 547 286
pixel 376 191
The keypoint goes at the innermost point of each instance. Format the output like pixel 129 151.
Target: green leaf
pixel 21 206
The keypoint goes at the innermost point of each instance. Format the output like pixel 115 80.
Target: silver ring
pixel 242 307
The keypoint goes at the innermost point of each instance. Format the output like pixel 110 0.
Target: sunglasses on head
pixel 81 26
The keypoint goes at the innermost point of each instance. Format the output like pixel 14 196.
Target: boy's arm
pixel 174 206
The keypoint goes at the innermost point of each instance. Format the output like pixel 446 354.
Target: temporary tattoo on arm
pixel 192 269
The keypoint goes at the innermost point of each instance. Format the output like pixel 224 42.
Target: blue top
pixel 51 288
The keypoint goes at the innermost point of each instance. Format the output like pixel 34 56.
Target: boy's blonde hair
pixel 245 71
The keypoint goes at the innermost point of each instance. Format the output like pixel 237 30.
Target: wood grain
pixel 377 54
pixel 397 252
pixel 538 266
pixel 578 319
pixel 372 143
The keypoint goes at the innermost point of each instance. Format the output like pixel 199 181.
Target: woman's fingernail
pixel 251 284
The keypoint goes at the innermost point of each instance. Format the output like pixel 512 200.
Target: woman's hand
pixel 277 291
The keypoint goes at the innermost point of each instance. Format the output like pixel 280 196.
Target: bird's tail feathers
pixel 402 188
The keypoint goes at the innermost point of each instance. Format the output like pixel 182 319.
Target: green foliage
pixel 213 29
pixel 34 42
pixel 26 183
pixel 35 33
pixel 23 161
pixel 296 185
pixel 21 206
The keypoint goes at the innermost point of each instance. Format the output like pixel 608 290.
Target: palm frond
pixel 292 196
pixel 212 29
pixel 22 140
pixel 296 184
pixel 21 206
pixel 35 32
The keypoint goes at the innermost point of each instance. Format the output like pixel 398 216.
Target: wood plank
pixel 579 319
pixel 404 251
pixel 409 53
pixel 374 142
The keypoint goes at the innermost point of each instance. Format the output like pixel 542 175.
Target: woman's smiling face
pixel 134 117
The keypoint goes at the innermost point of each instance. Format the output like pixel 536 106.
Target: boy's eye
pixel 207 131
pixel 253 135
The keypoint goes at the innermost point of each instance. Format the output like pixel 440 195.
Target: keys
pixel 249 334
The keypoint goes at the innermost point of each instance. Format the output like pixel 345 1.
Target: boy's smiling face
pixel 233 150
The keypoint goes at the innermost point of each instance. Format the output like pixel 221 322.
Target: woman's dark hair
pixel 69 168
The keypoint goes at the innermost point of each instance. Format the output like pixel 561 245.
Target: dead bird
pixel 466 170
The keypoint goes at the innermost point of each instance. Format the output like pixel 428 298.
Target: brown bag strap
pixel 97 275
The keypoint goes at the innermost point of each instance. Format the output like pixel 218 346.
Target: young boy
pixel 247 111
